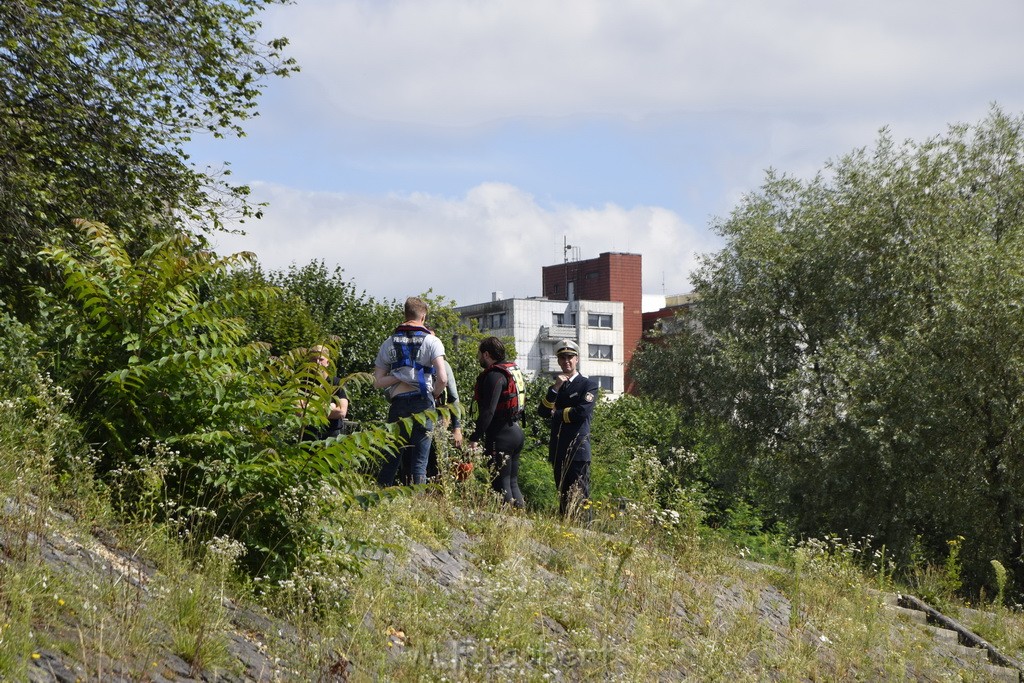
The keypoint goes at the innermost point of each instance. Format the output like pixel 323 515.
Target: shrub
pixel 190 413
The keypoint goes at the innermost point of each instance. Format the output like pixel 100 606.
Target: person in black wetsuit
pixel 497 425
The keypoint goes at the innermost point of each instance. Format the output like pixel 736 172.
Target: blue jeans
pixel 416 451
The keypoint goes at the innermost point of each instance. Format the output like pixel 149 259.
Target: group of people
pixel 411 369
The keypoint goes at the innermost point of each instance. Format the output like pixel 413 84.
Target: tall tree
pixel 97 99
pixel 354 323
pixel 359 321
pixel 863 334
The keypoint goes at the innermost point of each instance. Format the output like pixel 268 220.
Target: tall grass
pixel 443 584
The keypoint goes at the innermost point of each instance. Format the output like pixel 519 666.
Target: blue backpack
pixel 408 342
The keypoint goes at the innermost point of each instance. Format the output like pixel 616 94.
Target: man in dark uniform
pixel 568 406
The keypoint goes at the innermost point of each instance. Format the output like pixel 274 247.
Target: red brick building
pixel 612 276
pixel 672 316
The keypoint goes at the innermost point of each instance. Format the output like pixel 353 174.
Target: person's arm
pixel 490 392
pixel 453 389
pixel 339 409
pixel 339 406
pixel 382 378
pixel 584 408
pixel 453 404
pixel 547 401
pixel 440 376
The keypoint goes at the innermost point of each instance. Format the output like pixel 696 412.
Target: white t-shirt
pixel 431 348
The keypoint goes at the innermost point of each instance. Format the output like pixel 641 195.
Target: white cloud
pixel 785 84
pixel 495 238
pixel 462 62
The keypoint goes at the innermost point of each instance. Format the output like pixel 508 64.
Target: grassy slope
pixel 452 588
pixel 463 592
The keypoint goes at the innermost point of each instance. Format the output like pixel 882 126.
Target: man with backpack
pixel 410 368
pixel 498 395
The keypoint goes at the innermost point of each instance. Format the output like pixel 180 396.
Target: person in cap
pixel 568 406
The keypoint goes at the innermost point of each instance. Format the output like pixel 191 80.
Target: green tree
pixel 147 351
pixel 862 336
pixel 100 97
pixel 167 381
pixel 679 370
pixel 329 308
pixel 627 429
pixel 284 322
pixel 357 320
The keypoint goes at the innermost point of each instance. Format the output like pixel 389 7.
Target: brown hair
pixel 495 347
pixel 415 308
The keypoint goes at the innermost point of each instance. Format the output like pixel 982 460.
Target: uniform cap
pixel 567 346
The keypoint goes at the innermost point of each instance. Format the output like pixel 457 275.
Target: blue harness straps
pixel 408 342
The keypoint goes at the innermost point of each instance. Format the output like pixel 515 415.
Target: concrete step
pixel 948 640
pixel 1001 674
pixel 964 653
pixel 944 635
pixel 884 597
pixel 913 615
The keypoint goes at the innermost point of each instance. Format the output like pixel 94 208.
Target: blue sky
pixel 455 145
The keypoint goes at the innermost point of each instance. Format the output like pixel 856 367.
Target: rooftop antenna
pixel 565 262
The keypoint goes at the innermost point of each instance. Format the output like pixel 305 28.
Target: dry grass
pixel 458 588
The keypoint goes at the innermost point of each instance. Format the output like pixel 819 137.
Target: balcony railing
pixel 556 332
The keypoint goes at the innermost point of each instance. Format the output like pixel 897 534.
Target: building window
pixel 605 383
pixel 600 351
pixel 592 275
pixel 563 319
pixel 497 321
pixel 600 320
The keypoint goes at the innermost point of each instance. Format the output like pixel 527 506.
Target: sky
pixel 458 146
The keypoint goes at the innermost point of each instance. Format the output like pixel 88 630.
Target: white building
pixel 537 323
